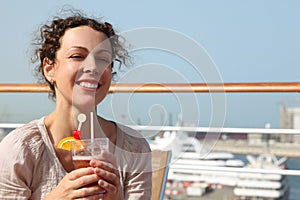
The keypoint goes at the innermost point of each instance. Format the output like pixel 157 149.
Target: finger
pixel 110 177
pixel 93 192
pixel 94 197
pixel 86 180
pixel 110 188
pixel 104 165
pixel 77 173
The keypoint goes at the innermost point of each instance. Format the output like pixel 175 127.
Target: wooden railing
pixel 174 87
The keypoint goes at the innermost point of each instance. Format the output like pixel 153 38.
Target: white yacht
pixel 263 186
pixel 189 170
pixel 188 150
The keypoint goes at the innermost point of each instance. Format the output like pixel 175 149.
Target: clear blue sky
pixel 249 41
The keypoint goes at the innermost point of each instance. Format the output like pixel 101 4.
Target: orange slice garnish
pixel 69 142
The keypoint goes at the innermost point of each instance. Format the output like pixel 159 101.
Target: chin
pixel 84 104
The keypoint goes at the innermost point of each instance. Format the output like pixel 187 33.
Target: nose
pixel 91 69
pixel 95 65
pixel 90 66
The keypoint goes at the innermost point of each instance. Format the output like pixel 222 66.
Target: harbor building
pixel 290 119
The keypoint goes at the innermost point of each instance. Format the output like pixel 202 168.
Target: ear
pixel 48 69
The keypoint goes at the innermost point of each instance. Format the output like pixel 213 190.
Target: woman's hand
pixel 109 175
pixel 78 184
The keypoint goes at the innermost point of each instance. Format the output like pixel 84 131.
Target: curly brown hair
pixel 48 42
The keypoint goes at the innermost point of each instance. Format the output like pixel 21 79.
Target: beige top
pixel 30 168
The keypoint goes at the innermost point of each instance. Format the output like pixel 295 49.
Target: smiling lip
pixel 89 85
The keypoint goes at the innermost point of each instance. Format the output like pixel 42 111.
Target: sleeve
pixel 16 164
pixel 138 184
pixel 134 158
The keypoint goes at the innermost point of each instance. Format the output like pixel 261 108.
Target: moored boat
pixel 186 178
pixel 263 186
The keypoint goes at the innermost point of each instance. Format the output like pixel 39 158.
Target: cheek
pixel 107 75
pixel 68 78
pixel 67 71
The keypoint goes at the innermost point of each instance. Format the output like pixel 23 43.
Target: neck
pixel 59 125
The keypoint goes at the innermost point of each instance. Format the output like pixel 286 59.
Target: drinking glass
pixel 92 150
pixel 85 150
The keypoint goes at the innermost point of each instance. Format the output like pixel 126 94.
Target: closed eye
pixel 77 57
pixel 103 60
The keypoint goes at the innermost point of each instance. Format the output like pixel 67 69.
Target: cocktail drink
pixel 83 151
pixel 81 161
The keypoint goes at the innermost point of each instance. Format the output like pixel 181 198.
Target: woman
pixel 75 57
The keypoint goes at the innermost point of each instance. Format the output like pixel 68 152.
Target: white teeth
pixel 88 85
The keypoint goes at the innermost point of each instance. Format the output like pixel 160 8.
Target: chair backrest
pixel 160 169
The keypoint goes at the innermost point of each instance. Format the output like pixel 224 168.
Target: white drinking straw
pixel 81 118
pixel 92 126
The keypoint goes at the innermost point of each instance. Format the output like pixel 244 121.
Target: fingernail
pixel 93 162
pixel 103 192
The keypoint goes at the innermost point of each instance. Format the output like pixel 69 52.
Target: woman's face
pixel 83 67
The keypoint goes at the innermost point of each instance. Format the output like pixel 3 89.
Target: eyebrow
pixel 85 49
